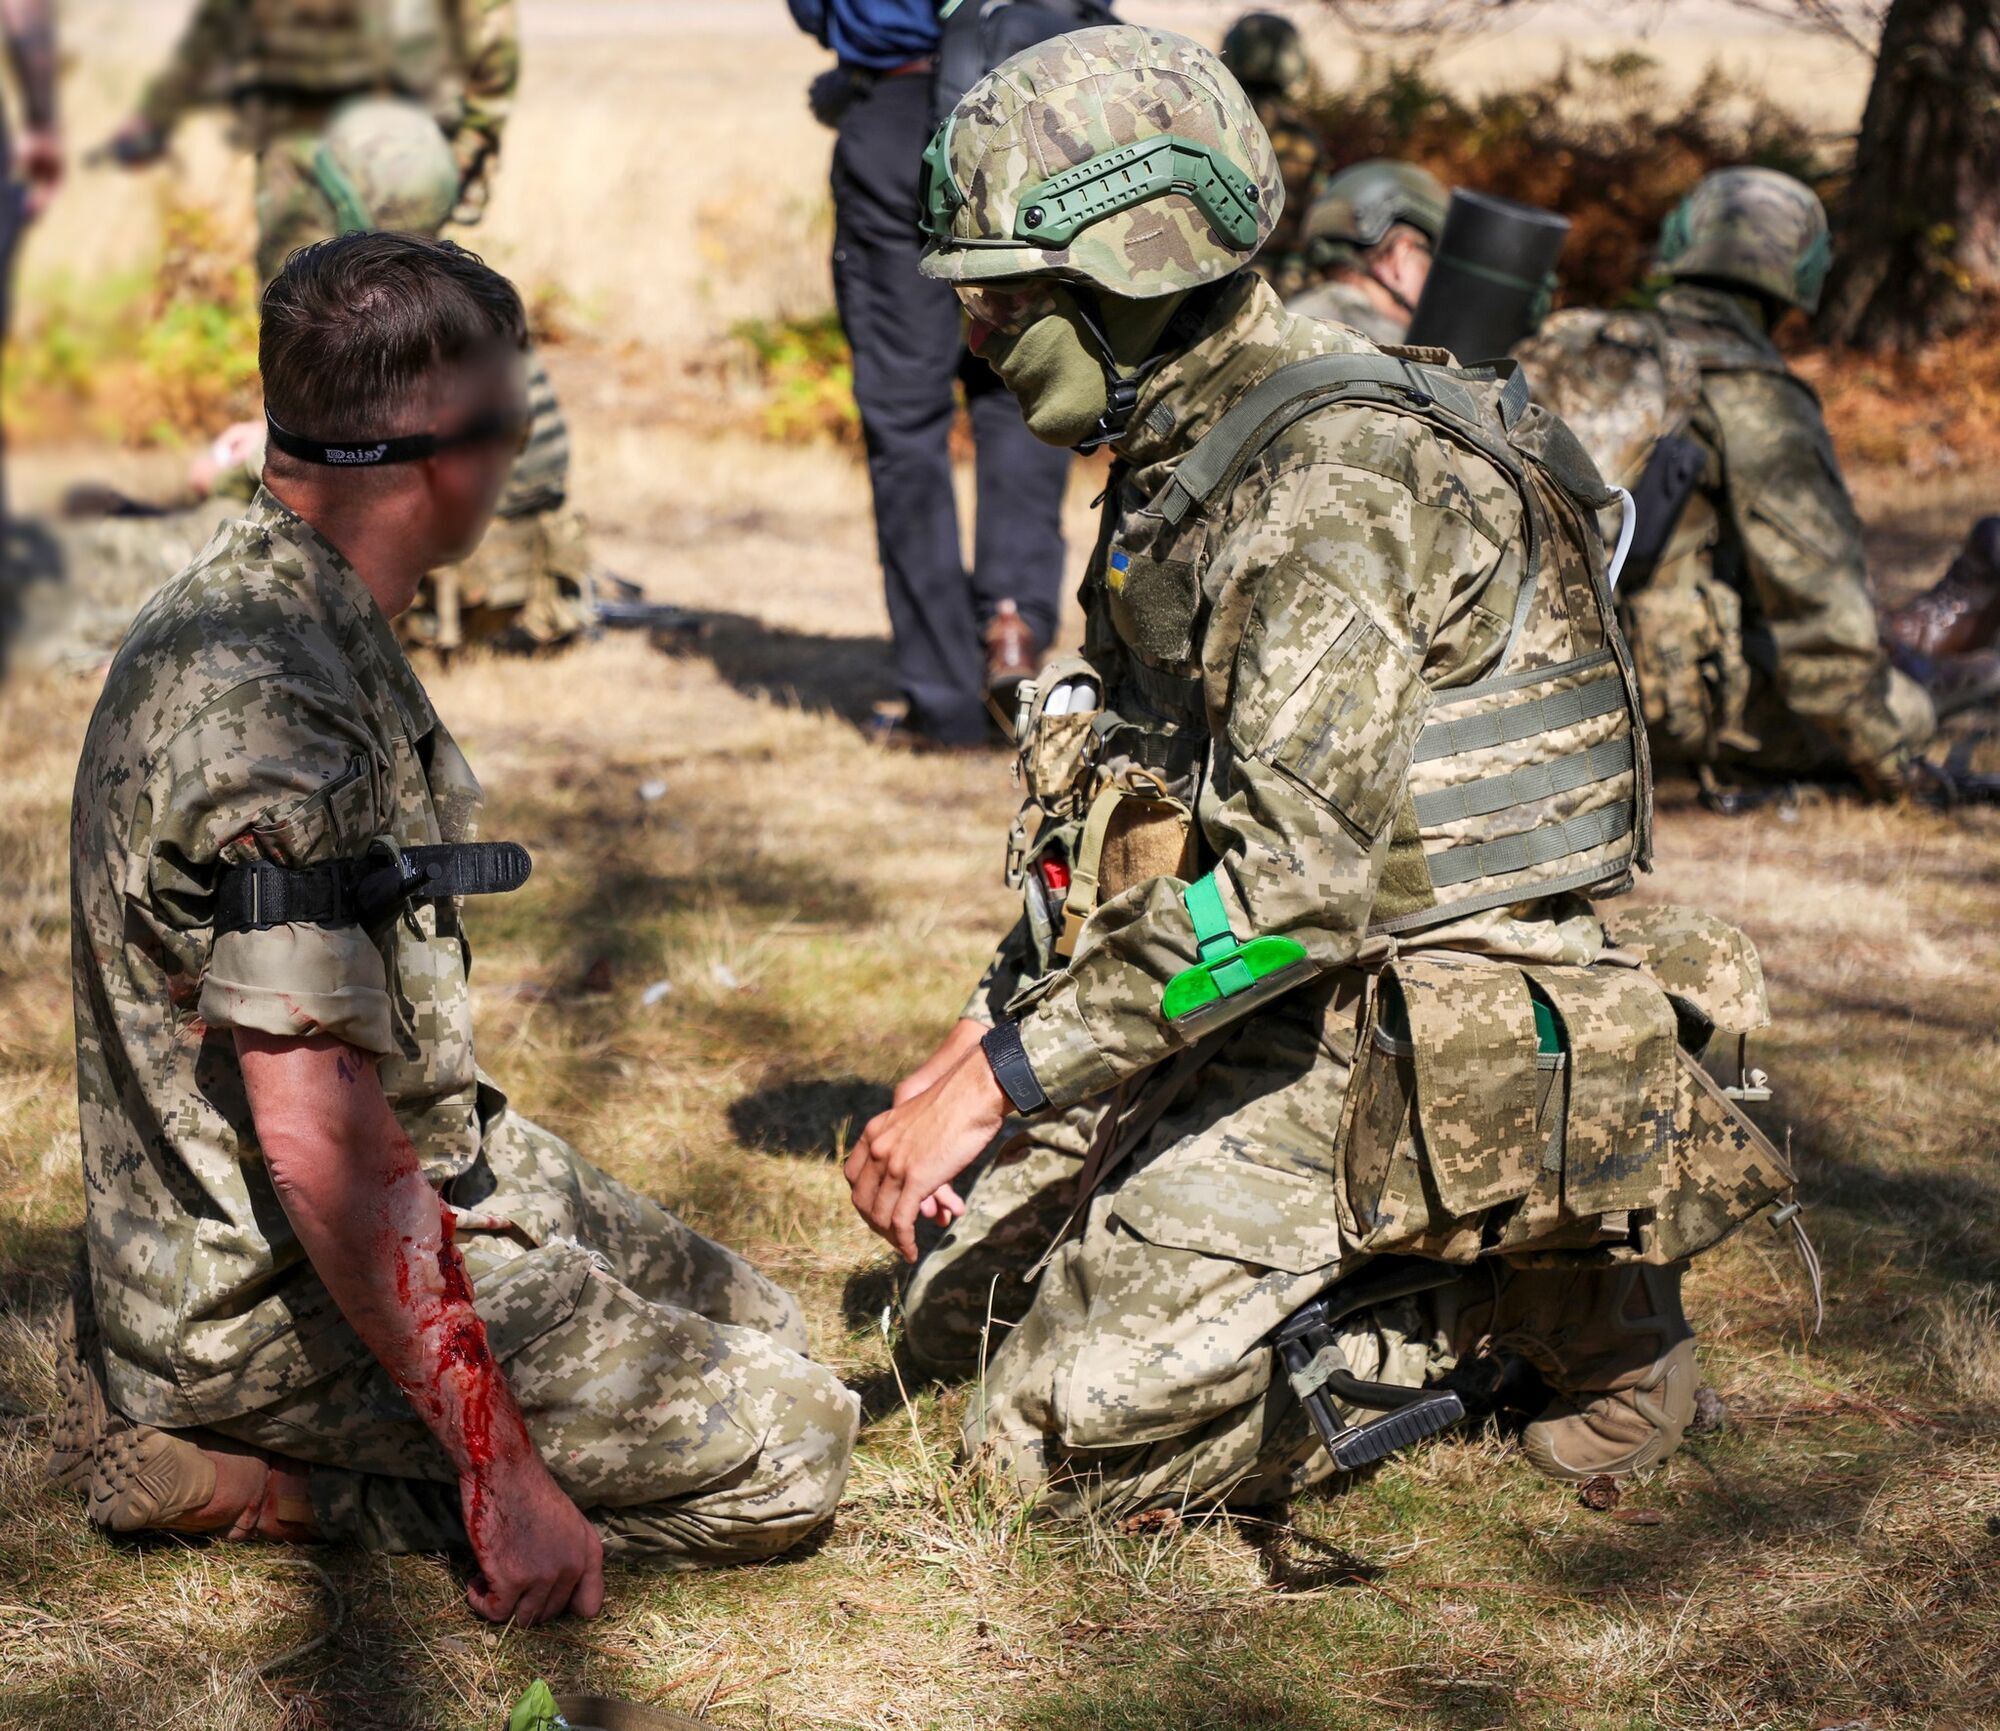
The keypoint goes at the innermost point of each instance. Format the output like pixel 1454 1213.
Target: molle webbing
pixel 1602 762
pixel 1520 721
pixel 1533 847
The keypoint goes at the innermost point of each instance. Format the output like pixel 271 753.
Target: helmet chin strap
pixel 1392 291
pixel 1121 393
pixel 1121 389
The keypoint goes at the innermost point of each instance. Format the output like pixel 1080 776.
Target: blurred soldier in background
pixel 286 67
pixel 964 639
pixel 1268 59
pixel 1368 241
pixel 386 114
pixel 30 29
pixel 1746 599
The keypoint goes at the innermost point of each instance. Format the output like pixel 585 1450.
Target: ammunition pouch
pixel 1527 1110
pixel 364 891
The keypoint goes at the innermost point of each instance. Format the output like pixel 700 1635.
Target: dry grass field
pixel 1829 1559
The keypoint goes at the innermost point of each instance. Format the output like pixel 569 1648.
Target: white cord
pixel 1626 530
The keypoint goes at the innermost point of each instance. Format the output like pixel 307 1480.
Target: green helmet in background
pixel 1362 203
pixel 383 163
pixel 1122 157
pixel 1753 227
pixel 1264 52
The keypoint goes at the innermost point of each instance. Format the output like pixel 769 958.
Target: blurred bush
pixel 1604 141
pixel 805 372
pixel 151 357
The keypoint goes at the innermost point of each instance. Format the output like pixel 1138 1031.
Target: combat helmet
pixel 1362 203
pixel 1121 157
pixel 384 164
pixel 1754 227
pixel 1264 52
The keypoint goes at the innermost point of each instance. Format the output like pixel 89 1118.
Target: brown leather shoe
pixel 1012 655
pixel 1959 612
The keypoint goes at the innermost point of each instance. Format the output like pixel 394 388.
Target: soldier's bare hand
pixel 909 1155
pixel 538 1557
pixel 965 1034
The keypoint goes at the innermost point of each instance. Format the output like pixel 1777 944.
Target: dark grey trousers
pixel 904 331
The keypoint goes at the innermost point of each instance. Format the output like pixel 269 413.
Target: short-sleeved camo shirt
pixel 260 707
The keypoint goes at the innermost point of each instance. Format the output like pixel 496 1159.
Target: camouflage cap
pixel 1362 203
pixel 1755 227
pixel 384 163
pixel 1121 156
pixel 1264 51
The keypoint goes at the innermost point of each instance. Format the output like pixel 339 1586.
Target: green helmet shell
pixel 1264 52
pixel 1361 204
pixel 1121 156
pixel 1754 227
pixel 383 163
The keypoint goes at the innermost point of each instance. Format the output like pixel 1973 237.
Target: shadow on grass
pixel 814 1117
pixel 840 676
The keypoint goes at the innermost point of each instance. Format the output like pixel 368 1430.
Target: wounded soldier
pixel 336 1286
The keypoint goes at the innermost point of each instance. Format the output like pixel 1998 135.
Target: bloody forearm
pixel 380 1238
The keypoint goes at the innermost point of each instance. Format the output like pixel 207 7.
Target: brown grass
pixel 1831 1559
pixel 1825 1560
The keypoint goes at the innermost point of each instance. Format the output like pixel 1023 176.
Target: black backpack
pixel 979 34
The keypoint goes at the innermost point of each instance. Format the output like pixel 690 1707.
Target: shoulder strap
pixel 1298 388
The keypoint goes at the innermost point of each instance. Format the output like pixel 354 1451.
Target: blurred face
pixel 481 426
pixel 1402 264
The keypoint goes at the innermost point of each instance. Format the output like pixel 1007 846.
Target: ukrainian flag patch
pixel 1120 563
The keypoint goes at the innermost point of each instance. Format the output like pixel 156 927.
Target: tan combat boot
pixel 133 1477
pixel 1618 1356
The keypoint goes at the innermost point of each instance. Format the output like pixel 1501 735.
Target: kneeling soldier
pixel 1307 999
pixel 336 1286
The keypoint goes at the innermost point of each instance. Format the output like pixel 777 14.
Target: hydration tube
pixel 1627 528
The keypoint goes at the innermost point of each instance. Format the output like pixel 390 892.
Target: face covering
pixel 1061 368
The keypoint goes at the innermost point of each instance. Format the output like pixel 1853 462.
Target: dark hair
pixel 352 327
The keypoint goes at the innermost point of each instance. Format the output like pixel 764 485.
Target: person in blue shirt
pixel 963 639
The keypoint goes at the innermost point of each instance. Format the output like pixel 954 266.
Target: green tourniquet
pixel 1226 967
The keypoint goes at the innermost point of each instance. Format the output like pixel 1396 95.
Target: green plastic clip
pixel 1226 967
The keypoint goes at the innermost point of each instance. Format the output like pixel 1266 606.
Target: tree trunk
pixel 1917 242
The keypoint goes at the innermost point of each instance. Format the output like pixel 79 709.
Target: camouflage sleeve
pixel 273 769
pixel 189 76
pixel 1011 968
pixel 490 50
pixel 1326 697
pixel 1802 544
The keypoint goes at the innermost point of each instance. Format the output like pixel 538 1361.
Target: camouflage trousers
pixel 664 1379
pixel 1135 1371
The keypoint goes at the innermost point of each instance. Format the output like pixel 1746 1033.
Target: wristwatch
pixel 1011 1069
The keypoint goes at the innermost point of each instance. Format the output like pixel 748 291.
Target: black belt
pixel 359 892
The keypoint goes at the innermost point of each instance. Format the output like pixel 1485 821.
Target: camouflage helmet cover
pixel 1754 227
pixel 383 163
pixel 1120 156
pixel 1263 51
pixel 1362 203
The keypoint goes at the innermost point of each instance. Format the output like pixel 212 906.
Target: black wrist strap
pixel 1011 1069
